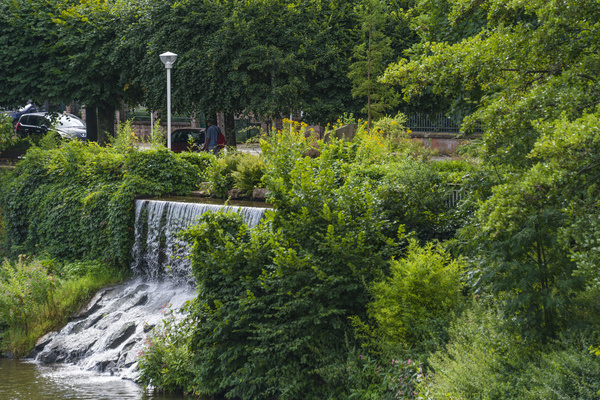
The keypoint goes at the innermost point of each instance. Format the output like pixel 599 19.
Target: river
pixel 28 380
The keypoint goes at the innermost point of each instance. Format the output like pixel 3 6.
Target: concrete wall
pixel 444 143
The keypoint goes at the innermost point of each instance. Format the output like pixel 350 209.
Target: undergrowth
pixel 38 296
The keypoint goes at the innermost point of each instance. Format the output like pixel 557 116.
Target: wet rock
pixel 260 194
pixel 91 307
pixel 108 320
pixel 141 301
pixel 129 345
pixel 58 351
pixel 78 327
pixel 121 335
pixel 42 343
pixel 108 367
pixel 123 300
pixel 235 194
pixel 51 354
pixel 93 321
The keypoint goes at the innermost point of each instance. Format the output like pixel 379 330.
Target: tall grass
pixel 39 296
pixel 6 173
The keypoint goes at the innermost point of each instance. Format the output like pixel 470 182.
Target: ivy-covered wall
pixel 76 200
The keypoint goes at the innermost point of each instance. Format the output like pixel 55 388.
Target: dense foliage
pixel 278 304
pixel 75 201
pixel 264 59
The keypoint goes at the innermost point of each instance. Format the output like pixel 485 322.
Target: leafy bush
pixel 275 302
pixel 565 373
pixel 203 160
pixel 7 136
pixel 160 171
pixel 369 378
pixel 412 193
pixel 483 360
pixel 6 174
pixel 220 174
pixel 24 286
pixel 415 304
pixel 8 139
pixel 249 173
pixel 167 359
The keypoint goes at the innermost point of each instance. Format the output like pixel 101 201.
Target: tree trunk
pixel 106 123
pixel 91 121
pixel 230 130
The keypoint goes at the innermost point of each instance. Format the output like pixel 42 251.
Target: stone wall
pixel 444 143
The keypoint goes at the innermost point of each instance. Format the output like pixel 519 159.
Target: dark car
pixel 29 108
pixel 66 125
pixel 188 139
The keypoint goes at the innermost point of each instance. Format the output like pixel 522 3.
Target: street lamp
pixel 168 59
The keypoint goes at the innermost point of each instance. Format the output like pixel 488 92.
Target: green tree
pixel 263 59
pixel 527 61
pixel 91 70
pixel 27 47
pixel 531 70
pixel 372 56
pixel 59 51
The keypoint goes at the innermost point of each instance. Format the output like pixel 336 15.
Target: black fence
pixel 439 122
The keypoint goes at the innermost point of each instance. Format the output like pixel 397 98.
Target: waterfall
pixel 109 333
pixel 157 250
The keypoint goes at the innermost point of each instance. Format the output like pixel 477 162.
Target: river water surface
pixel 26 380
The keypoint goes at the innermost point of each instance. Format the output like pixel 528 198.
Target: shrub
pixel 7 135
pixel 220 174
pixel 415 304
pixel 275 302
pixel 76 201
pixel 203 160
pixel 481 360
pixel 24 286
pixel 249 173
pixel 398 140
pixel 6 174
pixel 412 193
pixel 567 373
pixel 370 378
pixel 167 360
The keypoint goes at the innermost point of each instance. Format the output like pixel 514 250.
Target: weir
pixel 109 334
pixel 158 251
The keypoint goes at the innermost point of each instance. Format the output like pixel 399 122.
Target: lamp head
pixel 168 59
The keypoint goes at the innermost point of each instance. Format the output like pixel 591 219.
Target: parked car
pixel 187 139
pixel 66 125
pixel 29 108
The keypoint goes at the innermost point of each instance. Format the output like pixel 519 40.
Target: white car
pixel 66 125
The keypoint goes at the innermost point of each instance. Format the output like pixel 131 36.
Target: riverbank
pixel 39 295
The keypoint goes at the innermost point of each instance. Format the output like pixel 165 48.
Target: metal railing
pixel 454 197
pixel 436 122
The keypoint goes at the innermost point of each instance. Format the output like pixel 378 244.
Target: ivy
pixel 76 201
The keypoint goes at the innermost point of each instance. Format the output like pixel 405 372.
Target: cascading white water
pixel 108 335
pixel 157 250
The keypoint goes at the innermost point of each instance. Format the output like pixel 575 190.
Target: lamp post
pixel 168 59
